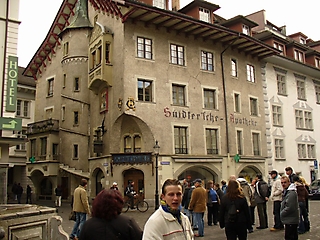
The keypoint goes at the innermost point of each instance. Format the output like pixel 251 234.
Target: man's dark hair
pixel 289 169
pixel 83 182
pixel 259 176
pixel 170 182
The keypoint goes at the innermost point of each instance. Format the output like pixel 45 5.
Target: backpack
pixel 264 189
pixel 232 213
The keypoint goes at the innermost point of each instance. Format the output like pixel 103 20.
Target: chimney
pixel 175 5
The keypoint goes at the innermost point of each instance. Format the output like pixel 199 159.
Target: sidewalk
pixel 210 232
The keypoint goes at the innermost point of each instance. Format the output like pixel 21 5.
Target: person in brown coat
pixel 304 224
pixel 80 207
pixel 198 204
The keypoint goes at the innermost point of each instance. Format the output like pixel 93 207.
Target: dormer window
pixel 302 40
pixel 279 47
pixel 317 62
pixel 204 15
pixel 298 55
pixel 246 29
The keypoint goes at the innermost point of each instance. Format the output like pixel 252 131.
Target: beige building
pixel 118 76
pixel 9 88
pixel 292 88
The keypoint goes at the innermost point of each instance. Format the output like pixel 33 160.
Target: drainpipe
pixel 4 58
pixel 225 95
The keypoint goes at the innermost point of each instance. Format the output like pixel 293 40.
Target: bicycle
pixel 141 205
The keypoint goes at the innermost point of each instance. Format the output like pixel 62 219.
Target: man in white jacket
pixel 276 197
pixel 168 222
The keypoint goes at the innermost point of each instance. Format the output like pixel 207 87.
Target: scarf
pixel 175 212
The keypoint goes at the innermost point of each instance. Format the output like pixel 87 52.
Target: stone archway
pixel 198 171
pixel 249 172
pixel 98 180
pixel 137 176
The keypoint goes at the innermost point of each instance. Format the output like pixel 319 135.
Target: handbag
pixel 72 216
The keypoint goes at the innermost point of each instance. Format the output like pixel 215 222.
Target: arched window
pixel 127 144
pixel 137 143
pixel 132 143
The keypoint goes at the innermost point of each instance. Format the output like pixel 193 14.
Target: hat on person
pixel 198 180
pixel 274 172
pixel 114 183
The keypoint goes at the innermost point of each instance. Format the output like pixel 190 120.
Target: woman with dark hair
pixel 106 221
pixel 234 212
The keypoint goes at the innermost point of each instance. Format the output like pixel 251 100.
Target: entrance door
pixel 137 177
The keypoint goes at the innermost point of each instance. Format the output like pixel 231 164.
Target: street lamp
pixel 156 149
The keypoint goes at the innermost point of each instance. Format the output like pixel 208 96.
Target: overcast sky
pixel 36 17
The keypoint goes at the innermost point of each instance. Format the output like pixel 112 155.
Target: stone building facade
pixel 118 76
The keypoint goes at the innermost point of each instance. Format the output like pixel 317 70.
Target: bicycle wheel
pixel 142 206
pixel 125 207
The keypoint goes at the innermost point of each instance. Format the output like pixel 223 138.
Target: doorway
pixel 137 177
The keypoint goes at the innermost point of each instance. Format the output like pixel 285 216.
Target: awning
pixel 74 171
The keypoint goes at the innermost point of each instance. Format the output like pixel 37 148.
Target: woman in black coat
pixel 236 225
pixel 106 221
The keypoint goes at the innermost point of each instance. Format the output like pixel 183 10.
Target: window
pixel 107 53
pixel 301 89
pixel 246 29
pixel 317 62
pixel 279 148
pixel 50 87
pixel 281 84
pixel 239 142
pixel 298 55
pixel 277 115
pixel 209 98
pixel 23 108
pixel 75 117
pixel 317 90
pixel 132 144
pixel 207 61
pixel 302 40
pixel 279 47
pixel 95 58
pixel 144 48
pixel 212 141
pixel 178 97
pixel 237 102
pixel 63 113
pixel 43 149
pixel 204 15
pixel 144 90
pixel 23 135
pixel 303 119
pixel 65 48
pixel 256 144
pixel 159 4
pixel 75 151
pixel 253 107
pixel 306 151
pixel 55 152
pixel 234 68
pixel 250 73
pixel 177 54
pixel 64 80
pixel 180 140
pixel 76 84
pixel 33 147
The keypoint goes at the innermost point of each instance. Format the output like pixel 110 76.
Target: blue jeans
pixel 199 219
pixel 80 219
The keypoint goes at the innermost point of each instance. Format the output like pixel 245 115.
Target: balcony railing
pixel 43 126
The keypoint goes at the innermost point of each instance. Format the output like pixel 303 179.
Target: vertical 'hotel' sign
pixel 12 81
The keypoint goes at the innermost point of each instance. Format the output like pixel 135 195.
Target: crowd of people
pixel 184 203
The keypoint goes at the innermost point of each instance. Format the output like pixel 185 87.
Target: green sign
pixel 11 123
pixel 12 81
pixel 237 158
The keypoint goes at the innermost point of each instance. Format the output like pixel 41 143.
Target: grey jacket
pixel 289 211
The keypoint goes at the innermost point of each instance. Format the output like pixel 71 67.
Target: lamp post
pixel 156 149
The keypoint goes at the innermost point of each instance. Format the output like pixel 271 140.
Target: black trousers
pixel 262 212
pixel 291 232
pixel 276 215
pixel 213 213
pixel 236 230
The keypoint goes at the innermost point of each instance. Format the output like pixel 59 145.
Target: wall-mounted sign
pixel 165 163
pixel 12 80
pixel 11 123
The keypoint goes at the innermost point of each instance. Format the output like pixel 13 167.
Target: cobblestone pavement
pixel 214 232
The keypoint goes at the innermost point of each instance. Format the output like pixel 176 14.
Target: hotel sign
pixel 12 81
